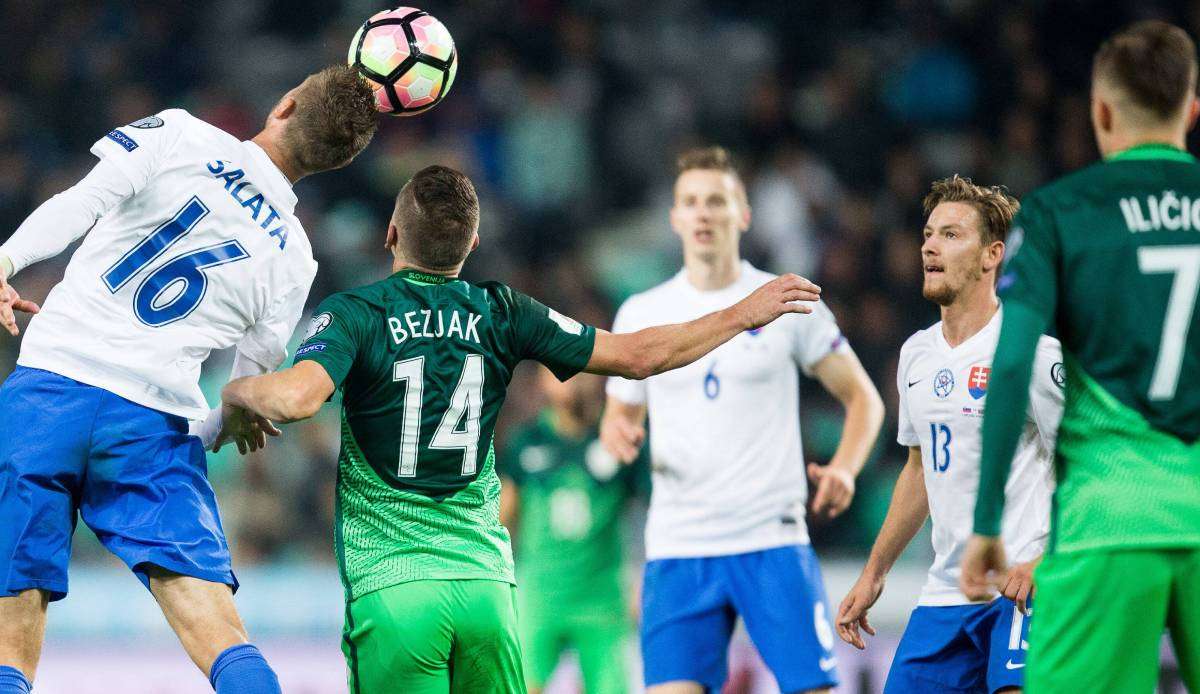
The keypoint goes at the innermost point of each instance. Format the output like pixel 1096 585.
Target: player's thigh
pixel 601 639
pixel 398 639
pixel 542 627
pixel 781 597
pixel 1099 622
pixel 687 619
pixel 1184 617
pixel 147 495
pixel 486 657
pixel 45 420
pixel 936 653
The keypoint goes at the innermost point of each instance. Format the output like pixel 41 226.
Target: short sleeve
pixel 1029 275
pixel 266 341
pixel 333 337
pixel 906 435
pixel 817 336
pixel 138 149
pixel 624 389
pixel 1046 390
pixel 562 344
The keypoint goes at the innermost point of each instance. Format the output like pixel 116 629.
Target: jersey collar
pixel 424 278
pixel 1152 150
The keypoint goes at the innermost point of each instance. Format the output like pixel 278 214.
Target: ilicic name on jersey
pixel 1167 211
pixel 253 203
pixel 427 326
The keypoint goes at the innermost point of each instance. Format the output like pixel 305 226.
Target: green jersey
pixel 423 363
pixel 572 494
pixel 1111 257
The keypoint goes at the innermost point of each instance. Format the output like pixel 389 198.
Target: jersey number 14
pixel 175 289
pixel 467 400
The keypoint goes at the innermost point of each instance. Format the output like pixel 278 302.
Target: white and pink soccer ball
pixel 408 57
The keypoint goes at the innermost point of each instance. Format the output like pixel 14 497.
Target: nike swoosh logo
pixel 1014 666
pixel 910 385
pixel 827 663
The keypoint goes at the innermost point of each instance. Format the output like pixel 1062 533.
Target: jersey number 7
pixel 176 288
pixel 1184 263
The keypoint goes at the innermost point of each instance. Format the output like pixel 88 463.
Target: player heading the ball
pixel 423 360
pixel 193 246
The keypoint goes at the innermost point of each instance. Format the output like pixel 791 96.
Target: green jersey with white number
pixel 423 363
pixel 1111 254
pixel 572 497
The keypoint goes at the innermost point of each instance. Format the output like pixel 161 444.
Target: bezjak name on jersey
pixel 423 324
pixel 254 203
pixel 1168 211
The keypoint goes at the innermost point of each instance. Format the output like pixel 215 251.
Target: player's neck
pixel 400 263
pixel 712 274
pixel 275 154
pixel 1119 141
pixel 969 314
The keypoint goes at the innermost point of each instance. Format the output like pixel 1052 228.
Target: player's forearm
pixel 864 417
pixel 906 514
pixel 668 347
pixel 278 396
pixel 1008 398
pixel 62 219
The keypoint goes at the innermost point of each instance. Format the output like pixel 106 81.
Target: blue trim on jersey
pixel 961 648
pixel 689 607
pixel 134 475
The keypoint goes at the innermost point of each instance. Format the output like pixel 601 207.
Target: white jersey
pixel 943 390
pixel 728 469
pixel 206 253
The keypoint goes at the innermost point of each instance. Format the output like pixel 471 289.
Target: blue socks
pixel 238 670
pixel 12 681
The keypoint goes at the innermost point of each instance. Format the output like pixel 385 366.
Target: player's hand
pixel 835 490
pixel 621 438
pixel 245 429
pixel 852 613
pixel 784 294
pixel 984 568
pixel 11 301
pixel 1019 586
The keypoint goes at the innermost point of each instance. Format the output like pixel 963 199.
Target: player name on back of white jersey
pixel 246 194
pixel 433 323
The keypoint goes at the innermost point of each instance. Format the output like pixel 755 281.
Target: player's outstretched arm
pixel 654 350
pixel 623 429
pixel 289 395
pixel 906 514
pixel 844 378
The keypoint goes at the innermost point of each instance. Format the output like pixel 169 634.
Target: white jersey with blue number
pixel 205 254
pixel 728 469
pixel 943 391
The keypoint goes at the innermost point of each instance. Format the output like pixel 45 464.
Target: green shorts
pixel 434 637
pixel 599 634
pixel 1101 616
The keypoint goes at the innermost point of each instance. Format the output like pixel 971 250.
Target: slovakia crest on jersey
pixel 977 381
pixel 943 383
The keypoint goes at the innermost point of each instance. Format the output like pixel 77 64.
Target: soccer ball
pixel 408 58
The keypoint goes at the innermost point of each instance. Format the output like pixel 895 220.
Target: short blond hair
pixel 1153 64
pixel 993 203
pixel 713 158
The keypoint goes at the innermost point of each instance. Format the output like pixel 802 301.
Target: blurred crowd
pixel 568 116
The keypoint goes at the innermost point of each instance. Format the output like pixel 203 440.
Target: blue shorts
pixel 134 474
pixel 690 606
pixel 961 648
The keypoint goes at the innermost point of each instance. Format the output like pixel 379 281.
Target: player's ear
pixel 1193 111
pixel 392 238
pixel 474 242
pixel 993 255
pixel 745 220
pixel 285 108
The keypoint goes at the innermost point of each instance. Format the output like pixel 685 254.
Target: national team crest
pixel 943 383
pixel 977 381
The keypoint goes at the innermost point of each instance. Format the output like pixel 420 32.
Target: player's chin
pixel 935 289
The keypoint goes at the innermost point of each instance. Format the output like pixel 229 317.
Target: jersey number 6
pixel 176 288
